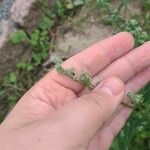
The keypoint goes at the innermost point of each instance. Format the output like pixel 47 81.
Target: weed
pixel 113 17
pixel 140 31
pixel 39 44
pixel 134 28
pixel 85 79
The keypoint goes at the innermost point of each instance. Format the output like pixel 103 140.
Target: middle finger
pixel 128 65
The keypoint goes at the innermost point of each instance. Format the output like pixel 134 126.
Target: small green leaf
pixel 13 77
pixel 85 79
pixel 147 4
pixel 46 23
pixel 18 36
pixel 12 99
pixel 69 4
pixel 34 38
pixel 10 78
pixel 60 9
pixel 24 66
pixel 79 2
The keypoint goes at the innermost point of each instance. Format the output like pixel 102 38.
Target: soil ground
pixel 10 54
pixel 74 35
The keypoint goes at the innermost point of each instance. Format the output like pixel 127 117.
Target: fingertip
pixel 112 86
pixel 127 38
pixel 147 44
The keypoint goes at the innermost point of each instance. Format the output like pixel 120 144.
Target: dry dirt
pixel 10 54
pixel 73 36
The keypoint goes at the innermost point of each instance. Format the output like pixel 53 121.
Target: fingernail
pixel 112 86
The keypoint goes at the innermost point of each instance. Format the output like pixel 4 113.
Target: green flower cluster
pixel 134 28
pixel 84 78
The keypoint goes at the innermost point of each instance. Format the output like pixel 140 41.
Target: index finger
pixel 93 59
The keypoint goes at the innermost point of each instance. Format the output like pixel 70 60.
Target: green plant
pixel 85 79
pixel 38 40
pixel 113 16
pixel 137 125
pixel 134 28
pixel 25 66
pixel 24 76
pixel 70 4
pixel 39 44
pixel 18 36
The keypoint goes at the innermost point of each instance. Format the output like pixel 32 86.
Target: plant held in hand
pixel 85 79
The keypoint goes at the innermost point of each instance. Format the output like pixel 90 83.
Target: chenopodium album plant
pixel 85 79
pixel 113 16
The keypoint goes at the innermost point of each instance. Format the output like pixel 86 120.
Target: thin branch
pixel 85 80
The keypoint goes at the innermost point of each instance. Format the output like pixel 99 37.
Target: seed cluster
pixel 86 81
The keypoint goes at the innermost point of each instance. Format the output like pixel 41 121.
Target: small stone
pixel 5 9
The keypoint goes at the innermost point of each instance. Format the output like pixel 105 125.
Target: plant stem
pixel 123 103
pixel 127 105
pixel 83 79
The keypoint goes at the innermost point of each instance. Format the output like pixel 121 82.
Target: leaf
pixel 86 79
pixel 24 66
pixel 147 4
pixel 18 36
pixel 59 9
pixel 44 33
pixel 69 4
pixel 12 99
pixel 34 38
pixel 78 2
pixel 37 58
pixel 10 78
pixel 46 23
pixel 123 140
pixel 129 131
pixel 115 146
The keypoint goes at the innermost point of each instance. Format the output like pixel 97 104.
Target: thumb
pixel 84 116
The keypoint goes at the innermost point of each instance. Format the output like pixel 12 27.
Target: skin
pixel 59 114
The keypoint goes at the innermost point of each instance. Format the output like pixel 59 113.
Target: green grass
pixel 136 133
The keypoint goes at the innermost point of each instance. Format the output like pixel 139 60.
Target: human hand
pixel 58 114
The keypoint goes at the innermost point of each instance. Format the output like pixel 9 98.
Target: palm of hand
pixel 55 91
